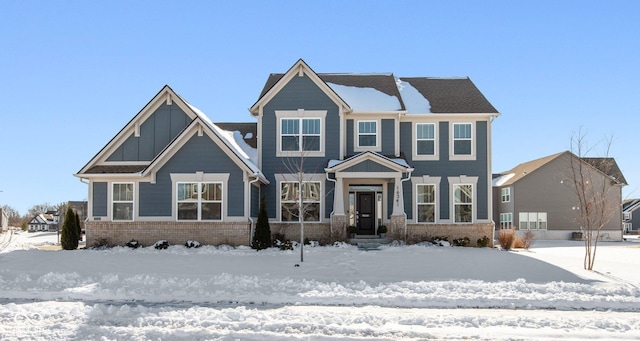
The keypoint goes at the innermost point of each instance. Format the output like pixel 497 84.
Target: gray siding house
pixel 365 150
pixel 631 216
pixel 539 196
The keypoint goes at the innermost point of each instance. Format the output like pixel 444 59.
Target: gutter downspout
pixel 335 182
pixel 251 221
pixel 405 213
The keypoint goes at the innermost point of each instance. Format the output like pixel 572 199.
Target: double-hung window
pixel 426 202
pixel 300 134
pixel 425 139
pixel 463 203
pixel 199 201
pixel 533 220
pixel 367 134
pixel 506 220
pixel 505 194
pixel 462 139
pixel 122 200
pixel 290 203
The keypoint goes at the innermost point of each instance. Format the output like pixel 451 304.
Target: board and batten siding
pixel 156 132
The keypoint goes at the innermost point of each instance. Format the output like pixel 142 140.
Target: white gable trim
pixel 384 161
pixel 299 69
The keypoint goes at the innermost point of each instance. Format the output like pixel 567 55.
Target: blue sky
pixel 73 73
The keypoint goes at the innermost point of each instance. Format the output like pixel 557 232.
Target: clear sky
pixel 73 73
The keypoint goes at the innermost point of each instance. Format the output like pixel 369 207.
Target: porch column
pixel 398 198
pixel 338 197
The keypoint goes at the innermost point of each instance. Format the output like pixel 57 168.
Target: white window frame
pixel 199 201
pixel 357 147
pixel 453 139
pixel 304 202
pixel 532 221
pixel 455 204
pixel 300 115
pixel 425 157
pixel 626 215
pixel 506 221
pixel 132 201
pixel 505 194
pixel 434 203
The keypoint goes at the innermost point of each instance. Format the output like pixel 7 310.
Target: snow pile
pixel 366 99
pixel 413 100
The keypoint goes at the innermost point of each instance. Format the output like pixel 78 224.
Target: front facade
pixel 631 216
pixel 539 196
pixel 43 222
pixel 412 154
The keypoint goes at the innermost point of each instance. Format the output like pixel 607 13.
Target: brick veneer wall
pixel 176 233
pixel 452 231
pixel 312 231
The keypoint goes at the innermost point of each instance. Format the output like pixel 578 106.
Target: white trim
pixel 300 114
pixel 414 138
pixel 463 157
pixel 134 194
pixel 356 134
pixel 463 180
pixel 507 194
pixel 199 177
pixel 425 180
pixel 307 177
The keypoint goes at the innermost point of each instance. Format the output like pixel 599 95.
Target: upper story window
pixel 199 201
pixel 122 201
pixel 505 194
pixel 462 143
pixel 367 134
pixel 425 139
pixel 300 133
pixel 626 215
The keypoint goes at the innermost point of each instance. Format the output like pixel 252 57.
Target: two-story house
pixel 365 150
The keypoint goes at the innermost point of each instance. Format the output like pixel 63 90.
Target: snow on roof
pixel 366 99
pixel 499 181
pixel 413 100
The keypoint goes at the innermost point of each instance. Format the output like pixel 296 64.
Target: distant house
pixel 538 196
pixel 44 222
pixel 410 153
pixel 631 215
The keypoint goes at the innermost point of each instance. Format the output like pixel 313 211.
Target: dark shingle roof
pixel 445 95
pixel 248 130
pixel 120 169
pixel 608 166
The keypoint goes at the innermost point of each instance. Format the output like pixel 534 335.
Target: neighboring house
pixel 631 216
pixel 44 222
pixel 4 220
pixel 409 153
pixel 538 196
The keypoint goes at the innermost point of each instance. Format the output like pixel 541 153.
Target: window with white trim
pixel 626 215
pixel 367 134
pixel 505 194
pixel 425 139
pixel 463 203
pixel 300 134
pixel 426 203
pixel 462 139
pixel 122 201
pixel 289 200
pixel 199 201
pixel 532 221
pixel 506 221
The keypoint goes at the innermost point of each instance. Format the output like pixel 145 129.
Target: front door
pixel 366 212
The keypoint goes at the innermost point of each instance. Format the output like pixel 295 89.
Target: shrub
pixel 134 244
pixel 506 239
pixel 101 243
pixel 483 242
pixel 382 229
pixel 262 234
pixel 464 241
pixel 69 235
pixel 278 239
pixel 192 243
pixel 527 240
pixel 161 245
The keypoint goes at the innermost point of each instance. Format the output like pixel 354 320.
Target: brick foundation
pixel 176 233
pixel 416 232
pixel 312 231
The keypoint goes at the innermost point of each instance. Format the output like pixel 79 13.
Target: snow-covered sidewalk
pixel 399 292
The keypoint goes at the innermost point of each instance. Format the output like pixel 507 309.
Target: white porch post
pixel 398 198
pixel 338 197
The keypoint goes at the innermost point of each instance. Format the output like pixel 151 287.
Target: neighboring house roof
pixel 415 95
pixel 630 205
pixel 606 166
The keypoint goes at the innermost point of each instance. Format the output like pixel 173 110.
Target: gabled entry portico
pixel 368 192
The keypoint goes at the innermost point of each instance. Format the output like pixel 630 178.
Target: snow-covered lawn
pixel 338 293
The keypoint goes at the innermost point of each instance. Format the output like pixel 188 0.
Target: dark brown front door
pixel 366 212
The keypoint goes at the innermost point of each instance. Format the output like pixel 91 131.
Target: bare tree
pixel 40 208
pixel 595 192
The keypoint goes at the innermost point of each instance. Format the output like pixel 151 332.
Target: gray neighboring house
pixel 537 196
pixel 79 207
pixel 412 154
pixel 631 216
